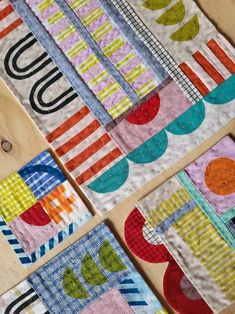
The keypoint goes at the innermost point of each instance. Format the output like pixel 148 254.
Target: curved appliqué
pixel 133 232
pixel 223 93
pixel 189 121
pixel 146 112
pixel 151 150
pixel 178 297
pixel 16 51
pixel 112 179
pixel 39 89
pixel 43 168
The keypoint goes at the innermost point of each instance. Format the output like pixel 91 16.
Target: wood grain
pixel 27 142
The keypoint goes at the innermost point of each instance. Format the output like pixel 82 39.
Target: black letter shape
pixel 16 51
pixel 41 86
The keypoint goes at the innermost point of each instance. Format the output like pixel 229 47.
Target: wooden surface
pixel 17 128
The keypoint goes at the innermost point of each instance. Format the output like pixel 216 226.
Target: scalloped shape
pixel 72 285
pixel 109 259
pixel 91 272
pixel 223 93
pixel 189 121
pixel 155 4
pixel 188 31
pixel 151 150
pixel 112 179
pixel 173 16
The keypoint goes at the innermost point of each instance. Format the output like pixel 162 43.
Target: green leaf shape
pixel 91 272
pixel 72 285
pixel 188 31
pixel 174 15
pixel 155 4
pixel 109 259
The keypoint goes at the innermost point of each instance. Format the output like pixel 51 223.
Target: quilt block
pixel 183 214
pixel 39 208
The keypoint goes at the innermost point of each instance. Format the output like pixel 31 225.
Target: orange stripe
pixel 88 152
pixel 99 165
pixel 208 67
pixel 68 124
pixel 5 12
pixel 10 28
pixel 222 55
pixel 78 138
pixel 194 79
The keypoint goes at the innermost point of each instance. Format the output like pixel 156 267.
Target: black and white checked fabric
pixel 157 49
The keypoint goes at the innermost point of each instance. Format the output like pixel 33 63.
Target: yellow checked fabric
pixel 168 207
pixel 15 197
pixel 206 244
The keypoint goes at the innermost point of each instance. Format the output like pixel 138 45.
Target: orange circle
pixel 220 176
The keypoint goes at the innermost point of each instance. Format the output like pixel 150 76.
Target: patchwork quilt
pixel 105 83
pixel 39 208
pixel 121 90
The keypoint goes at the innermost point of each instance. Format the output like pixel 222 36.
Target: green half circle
pixel 188 31
pixel 109 259
pixel 91 272
pixel 72 285
pixel 155 4
pixel 173 16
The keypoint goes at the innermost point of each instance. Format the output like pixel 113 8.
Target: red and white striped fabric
pixel 211 65
pixel 84 146
pixel 8 18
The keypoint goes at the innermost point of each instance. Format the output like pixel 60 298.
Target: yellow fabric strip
pixel 45 5
pixel 56 17
pixel 76 49
pixel 209 248
pixel 101 31
pixel 89 18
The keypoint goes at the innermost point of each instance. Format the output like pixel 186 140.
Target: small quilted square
pixel 42 174
pixel 82 273
pixel 33 228
pixel 15 197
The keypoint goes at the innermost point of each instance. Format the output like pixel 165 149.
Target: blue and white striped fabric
pixel 139 296
pixel 42 175
pixel 43 249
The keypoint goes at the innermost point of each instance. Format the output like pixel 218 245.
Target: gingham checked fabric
pixel 15 197
pixel 42 174
pixel 53 281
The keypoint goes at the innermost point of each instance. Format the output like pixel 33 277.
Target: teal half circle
pixel 189 121
pixel 151 150
pixel 112 179
pixel 223 93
